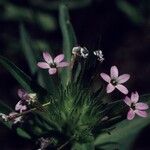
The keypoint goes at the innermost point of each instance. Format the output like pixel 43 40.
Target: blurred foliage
pixel 138 12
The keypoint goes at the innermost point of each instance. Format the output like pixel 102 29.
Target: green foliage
pixel 28 50
pixel 124 133
pixel 86 146
pixel 69 40
pixel 130 10
pixel 25 81
pixel 75 114
pixel 32 58
pixel 23 134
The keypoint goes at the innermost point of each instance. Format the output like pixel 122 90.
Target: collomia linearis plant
pixel 60 107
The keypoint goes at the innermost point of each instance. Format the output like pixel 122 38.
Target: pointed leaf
pixel 69 40
pixel 28 50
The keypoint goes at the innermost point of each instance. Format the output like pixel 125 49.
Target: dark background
pixel 121 28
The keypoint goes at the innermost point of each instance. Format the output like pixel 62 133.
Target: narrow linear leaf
pixel 25 81
pixel 69 40
pixel 6 110
pixel 28 50
pixel 23 133
pixel 130 10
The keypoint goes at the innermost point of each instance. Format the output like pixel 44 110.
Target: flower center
pixel 133 106
pixel 53 65
pixel 114 82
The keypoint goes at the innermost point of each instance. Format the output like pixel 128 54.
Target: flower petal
pixel 141 106
pixel 123 78
pixel 105 77
pixel 22 93
pixel 127 100
pixel 134 97
pixel 62 64
pixel 18 106
pixel 110 88
pixel 24 107
pixel 43 65
pixel 114 72
pixel 47 57
pixel 131 114
pixel 141 113
pixel 122 88
pixel 59 58
pixel 52 71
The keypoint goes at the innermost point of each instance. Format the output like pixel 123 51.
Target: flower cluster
pixel 115 82
pixel 13 116
pixel 25 100
pixel 84 53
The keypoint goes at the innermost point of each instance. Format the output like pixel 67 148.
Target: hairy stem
pixel 26 112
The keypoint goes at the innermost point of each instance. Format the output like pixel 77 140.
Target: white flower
pixel 99 55
pixel 4 117
pixel 80 51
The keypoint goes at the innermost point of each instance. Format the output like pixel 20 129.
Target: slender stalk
pixel 66 143
pixel 26 112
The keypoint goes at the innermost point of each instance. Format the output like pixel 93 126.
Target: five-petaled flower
pixel 52 64
pixel 135 106
pixel 25 100
pixel 115 81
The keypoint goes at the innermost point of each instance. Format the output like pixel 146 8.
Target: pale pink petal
pixel 123 78
pixel 23 108
pixel 18 106
pixel 141 113
pixel 43 65
pixel 105 77
pixel 134 97
pixel 21 93
pixel 127 100
pixel 114 72
pixel 63 64
pixel 131 114
pixel 122 88
pixel 141 106
pixel 59 58
pixel 110 88
pixel 47 57
pixel 52 71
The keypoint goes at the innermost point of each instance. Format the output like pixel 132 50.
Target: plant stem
pixel 26 112
pixel 62 146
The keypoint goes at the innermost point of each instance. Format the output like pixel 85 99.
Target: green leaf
pixel 44 78
pixel 125 132
pixel 130 10
pixel 6 110
pixel 25 81
pixel 85 146
pixel 23 133
pixel 69 40
pixel 28 50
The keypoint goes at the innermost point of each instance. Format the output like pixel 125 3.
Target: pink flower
pixel 25 100
pixel 22 104
pixel 135 106
pixel 52 64
pixel 115 81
